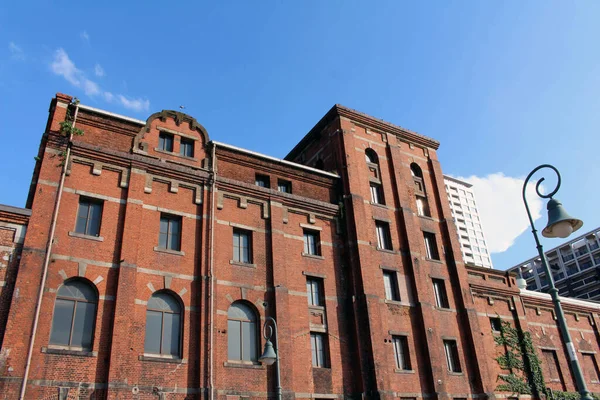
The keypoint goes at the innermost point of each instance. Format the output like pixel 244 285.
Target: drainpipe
pixel 38 304
pixel 213 187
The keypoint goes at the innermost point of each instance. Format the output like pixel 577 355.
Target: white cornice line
pixel 114 115
pixel 565 300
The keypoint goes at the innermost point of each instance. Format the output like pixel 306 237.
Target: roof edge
pixel 278 160
pixel 339 110
pixel 15 210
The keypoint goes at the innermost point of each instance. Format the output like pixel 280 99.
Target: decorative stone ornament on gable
pixel 173 136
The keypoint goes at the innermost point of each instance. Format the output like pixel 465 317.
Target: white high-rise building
pixel 468 223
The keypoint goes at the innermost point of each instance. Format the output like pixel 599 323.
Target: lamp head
pixel 268 356
pixel 560 223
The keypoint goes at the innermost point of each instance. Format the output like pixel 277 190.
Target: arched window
pixel 242 338
pixel 374 177
pixel 74 315
pixel 163 325
pixel 371 156
pixel 421 196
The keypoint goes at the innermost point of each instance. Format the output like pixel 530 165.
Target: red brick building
pixel 153 255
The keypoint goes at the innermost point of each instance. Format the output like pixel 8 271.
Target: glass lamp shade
pixel 560 223
pixel 269 356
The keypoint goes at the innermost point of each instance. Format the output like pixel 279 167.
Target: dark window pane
pixel 236 246
pixel 174 242
pixel 170 340
pixel 248 341
pixel 62 321
pixel 153 332
pixel 93 228
pixel 85 314
pixel 164 225
pixel 187 147
pixel 234 351
pixel 162 240
pixel 82 217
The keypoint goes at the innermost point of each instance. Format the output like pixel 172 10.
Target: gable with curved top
pixel 169 135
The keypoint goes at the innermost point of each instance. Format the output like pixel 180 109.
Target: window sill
pixel 316 308
pixel 445 309
pixel 456 373
pixel 69 351
pixel 378 205
pixel 386 250
pixel 88 237
pixel 404 371
pixel 433 260
pixel 425 217
pixel 163 359
pixel 241 364
pixel 395 302
pixel 315 256
pixel 172 153
pixel 321 368
pixel 173 252
pixel 242 264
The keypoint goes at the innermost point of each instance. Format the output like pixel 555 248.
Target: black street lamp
pixel 560 224
pixel 271 355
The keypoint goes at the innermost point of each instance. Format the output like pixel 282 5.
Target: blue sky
pixel 504 86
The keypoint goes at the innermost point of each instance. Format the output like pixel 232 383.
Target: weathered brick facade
pixel 119 162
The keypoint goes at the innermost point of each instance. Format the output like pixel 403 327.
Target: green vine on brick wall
pixel 66 126
pixel 512 360
pixel 525 368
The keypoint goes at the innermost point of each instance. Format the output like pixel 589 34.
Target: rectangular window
pixel 377 194
pixel 170 232
pixel 165 142
pixel 431 249
pixel 496 324
pixel 422 207
pixel 452 360
pixel 314 290
pixel 284 186
pixel 390 282
pixel 186 147
pixel 242 246
pixel 318 350
pixel 441 297
pixel 89 216
pixel 401 352
pixel 312 242
pixel 262 181
pixel 384 240
pixel 549 358
pixel 590 367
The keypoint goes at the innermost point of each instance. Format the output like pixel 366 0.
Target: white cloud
pixel 98 70
pixel 84 36
pixel 16 52
pixel 134 104
pixel 500 204
pixel 63 66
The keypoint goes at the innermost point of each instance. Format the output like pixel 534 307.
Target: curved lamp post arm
pixel 560 316
pixel 268 331
pixel 537 189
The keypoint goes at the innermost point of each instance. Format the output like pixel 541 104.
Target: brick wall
pixel 118 162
